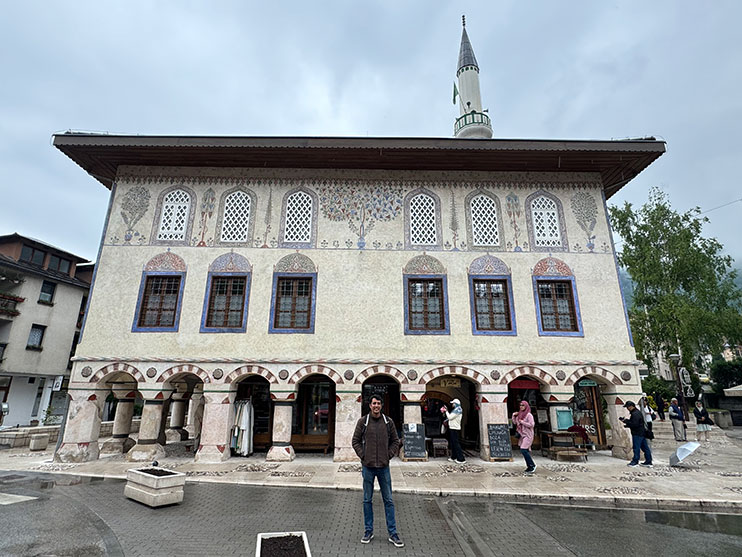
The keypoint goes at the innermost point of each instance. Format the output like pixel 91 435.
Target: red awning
pixel 523 384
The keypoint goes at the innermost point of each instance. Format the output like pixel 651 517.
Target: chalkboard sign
pixel 499 439
pixel 414 441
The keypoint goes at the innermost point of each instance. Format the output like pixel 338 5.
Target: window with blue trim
pixel 426 305
pixel 293 303
pixel 225 303
pixel 557 309
pixel 491 305
pixel 160 300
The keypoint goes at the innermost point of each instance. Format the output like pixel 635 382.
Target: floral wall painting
pixel 512 207
pixel 207 210
pixel 360 207
pixel 454 226
pixel 133 207
pixel 586 214
pixel 268 217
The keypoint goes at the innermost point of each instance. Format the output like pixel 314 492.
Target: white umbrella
pixel 682 452
pixel 733 391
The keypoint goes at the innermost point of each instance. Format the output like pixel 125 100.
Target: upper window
pixel 32 255
pixel 546 222
pixel 35 337
pixel 426 297
pixel 176 208
pixel 294 295
pixel 160 294
pixel 227 293
pixel 491 297
pixel 485 231
pixel 237 208
pixel 422 221
pixel 59 264
pixel 298 220
pixel 46 296
pixel 557 306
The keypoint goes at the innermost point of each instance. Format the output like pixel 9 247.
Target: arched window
pixel 294 296
pixel 160 294
pixel 176 207
pixel 555 294
pixel 483 220
pixel 426 297
pixel 235 226
pixel 491 297
pixel 422 221
pixel 546 228
pixel 299 225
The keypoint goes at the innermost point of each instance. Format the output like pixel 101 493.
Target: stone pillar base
pixel 145 453
pixel 212 453
pixel 77 452
pixel 117 446
pixel 624 453
pixel 345 454
pixel 176 434
pixel 280 454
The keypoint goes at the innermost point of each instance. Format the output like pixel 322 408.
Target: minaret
pixel 473 122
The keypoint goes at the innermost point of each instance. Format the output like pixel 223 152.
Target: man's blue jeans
pixel 385 484
pixel 639 442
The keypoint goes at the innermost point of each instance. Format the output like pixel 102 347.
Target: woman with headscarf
pixel 524 425
pixel 454 429
pixel 678 420
pixel 703 422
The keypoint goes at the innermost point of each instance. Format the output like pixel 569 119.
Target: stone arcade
pixel 304 273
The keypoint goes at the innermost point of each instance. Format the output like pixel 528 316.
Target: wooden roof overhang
pixel 617 161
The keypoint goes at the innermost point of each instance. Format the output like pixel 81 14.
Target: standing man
pixel 375 441
pixel 638 434
pixel 454 430
pixel 678 420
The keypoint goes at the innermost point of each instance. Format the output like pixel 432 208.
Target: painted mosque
pixel 251 293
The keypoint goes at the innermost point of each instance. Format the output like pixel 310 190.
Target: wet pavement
pixel 64 514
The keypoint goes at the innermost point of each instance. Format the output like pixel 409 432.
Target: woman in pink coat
pixel 524 424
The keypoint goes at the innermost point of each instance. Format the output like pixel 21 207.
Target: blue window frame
pixel 557 306
pixel 159 302
pixel 426 305
pixel 226 302
pixel 293 303
pixel 491 304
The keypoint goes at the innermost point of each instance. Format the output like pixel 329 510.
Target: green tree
pixel 652 385
pixel 685 299
pixel 726 374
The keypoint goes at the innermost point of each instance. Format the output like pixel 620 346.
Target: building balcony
pixel 9 305
pixel 473 124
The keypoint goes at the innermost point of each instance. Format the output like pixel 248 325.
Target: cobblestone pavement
pixel 62 514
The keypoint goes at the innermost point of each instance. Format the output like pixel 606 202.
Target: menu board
pixel 499 440
pixel 414 441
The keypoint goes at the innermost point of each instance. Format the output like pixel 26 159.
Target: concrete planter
pixel 264 535
pixel 154 486
pixel 39 442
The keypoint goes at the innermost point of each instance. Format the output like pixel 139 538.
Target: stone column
pixel 120 442
pixel 281 449
pixel 195 412
pixel 147 447
pixel 620 435
pixel 412 411
pixel 492 410
pixel 178 406
pixel 80 442
pixel 217 426
pixel 347 412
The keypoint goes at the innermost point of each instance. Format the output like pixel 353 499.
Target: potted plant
pixel 284 544
pixel 154 486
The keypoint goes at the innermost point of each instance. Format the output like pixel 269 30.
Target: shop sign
pixel 58 383
pixel 587 383
pixel 453 382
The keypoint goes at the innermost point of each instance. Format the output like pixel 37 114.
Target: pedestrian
pixel 454 430
pixel 660 405
pixel 703 422
pixel 678 420
pixel 647 413
pixel 638 435
pixel 524 425
pixel 375 441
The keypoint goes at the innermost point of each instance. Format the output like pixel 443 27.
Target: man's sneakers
pixel 460 462
pixel 367 537
pixel 451 459
pixel 396 541
pixel 647 464
pixel 633 464
pixel 530 470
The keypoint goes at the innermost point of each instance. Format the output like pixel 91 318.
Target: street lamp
pixel 675 360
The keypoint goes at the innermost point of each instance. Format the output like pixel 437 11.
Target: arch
pixel 529 371
pixel 230 263
pixel 424 265
pixel 559 227
pixel 244 371
pixel 593 371
pixel 184 368
pixel 485 216
pixel 166 261
pixel 301 373
pixel 295 263
pixel 115 368
pixel 488 265
pixel 190 204
pixel 240 222
pixel 304 203
pixel 477 377
pixel 551 267
pixel 381 370
pixel 417 195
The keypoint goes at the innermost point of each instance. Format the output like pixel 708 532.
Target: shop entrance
pixel 313 427
pixel 253 425
pixel 388 389
pixel 587 410
pixel 442 390
pixel 530 391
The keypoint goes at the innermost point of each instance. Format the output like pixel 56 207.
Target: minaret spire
pixel 472 122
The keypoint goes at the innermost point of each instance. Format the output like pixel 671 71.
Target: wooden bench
pixel 560 445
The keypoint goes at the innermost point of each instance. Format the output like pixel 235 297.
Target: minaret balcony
pixel 473 124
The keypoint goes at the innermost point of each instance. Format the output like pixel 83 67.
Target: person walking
pixel 638 435
pixel 660 405
pixel 703 422
pixel 647 414
pixel 454 430
pixel 678 420
pixel 524 426
pixel 375 441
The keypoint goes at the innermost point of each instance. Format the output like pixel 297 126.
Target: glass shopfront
pixel 587 410
pixel 530 391
pixel 257 390
pixel 313 426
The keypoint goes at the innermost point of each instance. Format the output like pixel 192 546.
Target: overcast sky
pixel 548 69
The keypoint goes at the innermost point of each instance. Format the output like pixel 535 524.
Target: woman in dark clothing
pixel 703 422
pixel 660 406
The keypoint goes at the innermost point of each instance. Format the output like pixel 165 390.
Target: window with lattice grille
pixel 293 308
pixel 174 218
pixel 226 302
pixel 422 221
pixel 492 305
pixel 426 305
pixel 298 218
pixel 484 226
pixel 545 219
pixel 159 303
pixel 236 217
pixel 557 306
